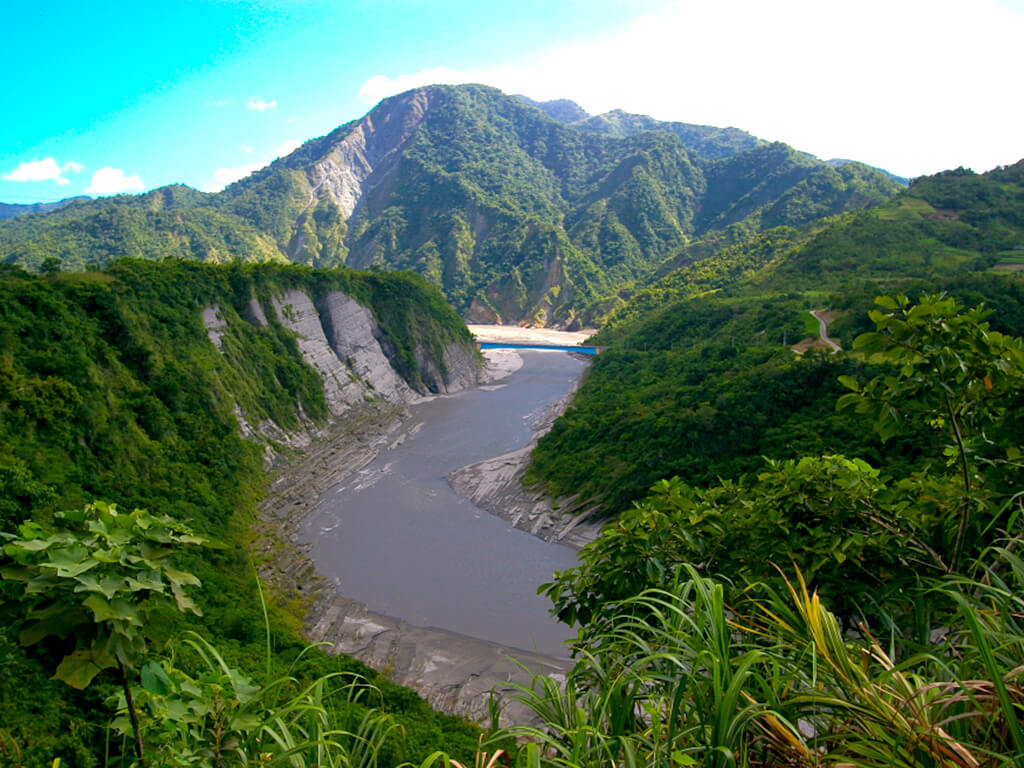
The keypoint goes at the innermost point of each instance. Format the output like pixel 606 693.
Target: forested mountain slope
pixel 135 384
pixel 9 210
pixel 700 379
pixel 175 221
pixel 516 216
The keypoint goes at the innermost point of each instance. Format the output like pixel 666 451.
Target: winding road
pixel 823 329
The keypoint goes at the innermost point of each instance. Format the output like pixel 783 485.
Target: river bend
pixel 395 537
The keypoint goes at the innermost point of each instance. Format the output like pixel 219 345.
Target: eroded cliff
pixel 356 361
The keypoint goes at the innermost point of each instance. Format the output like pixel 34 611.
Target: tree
pixel 860 537
pixel 51 265
pixel 951 371
pixel 93 582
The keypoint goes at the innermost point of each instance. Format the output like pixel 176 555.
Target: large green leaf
pixel 108 586
pixel 155 679
pixel 78 668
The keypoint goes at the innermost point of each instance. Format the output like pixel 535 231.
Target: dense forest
pixel 822 610
pixel 811 556
pixel 111 392
pixel 699 379
pixel 515 215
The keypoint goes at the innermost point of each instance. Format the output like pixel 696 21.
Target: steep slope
pixel 517 216
pixel 166 385
pixel 701 380
pixel 175 221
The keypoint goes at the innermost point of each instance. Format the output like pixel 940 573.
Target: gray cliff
pixel 341 340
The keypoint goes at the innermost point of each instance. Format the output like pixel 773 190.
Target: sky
pixel 107 97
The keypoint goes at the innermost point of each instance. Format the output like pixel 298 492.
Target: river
pixel 395 537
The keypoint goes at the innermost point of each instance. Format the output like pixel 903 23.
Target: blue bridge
pixel 507 345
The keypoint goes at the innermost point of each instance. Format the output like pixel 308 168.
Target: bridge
pixel 564 348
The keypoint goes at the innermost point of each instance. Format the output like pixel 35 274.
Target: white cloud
pixel 380 87
pixel 113 181
pixel 224 176
pixel 287 147
pixel 46 169
pixel 261 105
pixel 914 86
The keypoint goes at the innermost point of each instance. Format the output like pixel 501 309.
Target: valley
pixel 283 371
pixel 369 485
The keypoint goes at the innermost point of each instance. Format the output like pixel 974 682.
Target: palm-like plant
pixel 675 678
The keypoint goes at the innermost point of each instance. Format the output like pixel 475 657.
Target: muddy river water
pixel 395 537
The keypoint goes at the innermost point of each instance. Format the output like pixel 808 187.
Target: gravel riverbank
pixel 453 672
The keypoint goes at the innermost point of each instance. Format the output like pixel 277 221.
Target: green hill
pixel 700 380
pixel 170 222
pixel 515 215
pixel 110 388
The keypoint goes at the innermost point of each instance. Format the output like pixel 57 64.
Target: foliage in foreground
pixel 687 677
pixel 860 535
pixel 923 662
pixel 93 585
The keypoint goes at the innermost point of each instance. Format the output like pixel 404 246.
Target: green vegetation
pixel 519 204
pixel 704 633
pixel 745 500
pixel 171 222
pixel 707 141
pixel 110 389
pixel 699 379
pixel 514 215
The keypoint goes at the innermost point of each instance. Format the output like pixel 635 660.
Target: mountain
pixel 173 221
pixel 562 110
pixel 705 140
pixel 700 379
pixel 9 210
pixel 903 181
pixel 516 216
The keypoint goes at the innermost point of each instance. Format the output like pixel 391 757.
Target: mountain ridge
pixel 516 216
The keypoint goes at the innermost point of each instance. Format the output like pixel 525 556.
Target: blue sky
pixel 105 97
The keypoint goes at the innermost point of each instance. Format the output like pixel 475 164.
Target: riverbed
pixel 395 536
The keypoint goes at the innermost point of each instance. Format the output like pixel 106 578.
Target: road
pixel 823 329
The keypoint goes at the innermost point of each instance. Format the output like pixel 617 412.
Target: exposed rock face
pixel 460 370
pixel 342 387
pixel 354 337
pixel 482 314
pixel 254 314
pixel 344 173
pixel 341 340
pixel 214 323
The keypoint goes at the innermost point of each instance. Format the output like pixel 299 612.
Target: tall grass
pixel 680 677
pixel 214 716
